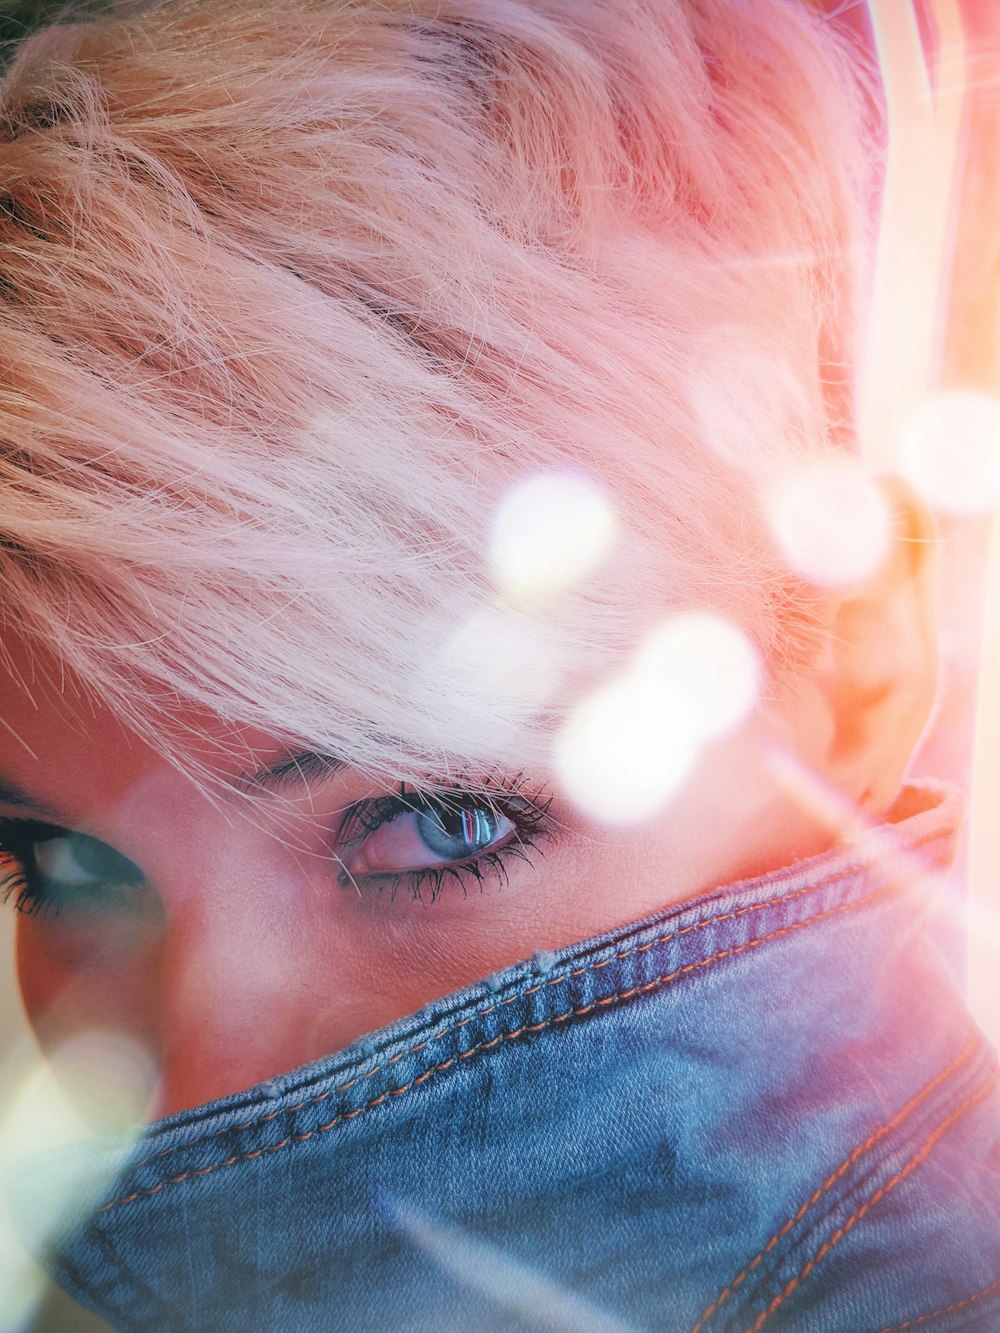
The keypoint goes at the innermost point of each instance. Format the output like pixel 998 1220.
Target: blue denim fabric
pixel 765 1109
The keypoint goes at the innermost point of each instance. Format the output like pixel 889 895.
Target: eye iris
pixel 77 859
pixel 454 834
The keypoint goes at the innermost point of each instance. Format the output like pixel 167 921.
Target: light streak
pixel 509 1282
pixel 914 239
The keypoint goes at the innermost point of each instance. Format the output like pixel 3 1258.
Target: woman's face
pixel 238 941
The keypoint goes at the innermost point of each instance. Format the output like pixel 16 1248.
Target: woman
pixel 410 410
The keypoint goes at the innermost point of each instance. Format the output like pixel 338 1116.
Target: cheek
pixel 77 978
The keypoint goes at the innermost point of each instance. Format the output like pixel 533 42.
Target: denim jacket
pixel 764 1109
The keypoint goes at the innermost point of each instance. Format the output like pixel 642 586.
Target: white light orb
pixel 550 531
pixel 628 749
pixel 491 673
pixel 832 522
pixel 709 663
pixel 95 1083
pixel 949 451
pixel 500 654
pixel 108 1077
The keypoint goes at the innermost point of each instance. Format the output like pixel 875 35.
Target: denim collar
pixel 733 1114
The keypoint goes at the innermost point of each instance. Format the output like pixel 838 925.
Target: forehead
pixel 73 757
pixel 55 745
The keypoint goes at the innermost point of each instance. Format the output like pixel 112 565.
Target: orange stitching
pixel 918 1158
pixel 831 1180
pixel 945 1309
pixel 532 990
pixel 578 1012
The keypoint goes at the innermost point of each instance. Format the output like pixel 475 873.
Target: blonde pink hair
pixel 293 291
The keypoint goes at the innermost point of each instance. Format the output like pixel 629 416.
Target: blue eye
pixel 421 839
pixel 71 861
pixel 45 868
pixel 456 834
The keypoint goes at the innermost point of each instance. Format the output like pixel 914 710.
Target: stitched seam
pixel 843 873
pixel 945 1309
pixel 897 1120
pixel 578 1012
pixel 916 1160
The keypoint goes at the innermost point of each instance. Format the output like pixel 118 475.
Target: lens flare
pixel 850 823
pixel 503 1279
pixel 982 925
pixel 550 531
pixel 499 667
pixel 35 1110
pixel 949 451
pixel 96 1084
pixel 108 1077
pixel 628 749
pixel 710 663
pixel 630 746
pixel 831 521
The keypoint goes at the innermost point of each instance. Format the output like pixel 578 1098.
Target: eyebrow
pixel 11 794
pixel 284 774
pixel 290 771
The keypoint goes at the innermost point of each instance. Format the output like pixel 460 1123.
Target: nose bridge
pixel 228 1007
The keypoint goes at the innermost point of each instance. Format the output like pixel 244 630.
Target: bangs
pixel 295 294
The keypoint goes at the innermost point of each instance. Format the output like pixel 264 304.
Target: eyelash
pixel 528 813
pixel 17 882
pixel 14 880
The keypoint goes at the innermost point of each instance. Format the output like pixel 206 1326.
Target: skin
pixel 242 954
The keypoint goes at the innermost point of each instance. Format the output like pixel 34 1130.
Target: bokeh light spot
pixel 499 656
pixel 832 522
pixel 710 663
pixel 489 675
pixel 550 531
pixel 108 1077
pixel 96 1085
pixel 627 749
pixel 949 451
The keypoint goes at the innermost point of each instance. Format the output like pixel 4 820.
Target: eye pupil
pixel 454 834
